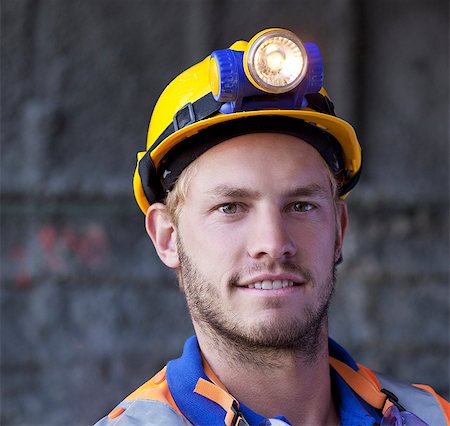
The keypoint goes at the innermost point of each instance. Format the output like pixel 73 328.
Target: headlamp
pixel 275 61
pixel 274 70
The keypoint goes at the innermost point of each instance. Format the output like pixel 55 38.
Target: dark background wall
pixel 87 311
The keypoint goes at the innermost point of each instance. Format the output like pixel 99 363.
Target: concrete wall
pixel 87 311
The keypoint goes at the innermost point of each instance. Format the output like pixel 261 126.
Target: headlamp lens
pixel 277 61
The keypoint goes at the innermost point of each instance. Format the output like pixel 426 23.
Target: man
pixel 243 186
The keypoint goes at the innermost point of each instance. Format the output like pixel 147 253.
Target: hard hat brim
pixel 337 127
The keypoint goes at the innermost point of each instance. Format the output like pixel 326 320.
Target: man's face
pixel 257 240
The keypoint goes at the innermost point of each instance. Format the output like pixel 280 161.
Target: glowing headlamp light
pixel 275 63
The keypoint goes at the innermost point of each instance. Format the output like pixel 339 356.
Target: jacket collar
pixel 183 374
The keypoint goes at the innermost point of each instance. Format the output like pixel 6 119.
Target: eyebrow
pixel 226 191
pixel 312 190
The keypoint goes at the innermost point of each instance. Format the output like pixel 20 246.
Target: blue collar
pixel 183 373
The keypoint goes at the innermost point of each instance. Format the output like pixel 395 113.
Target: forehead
pixel 265 160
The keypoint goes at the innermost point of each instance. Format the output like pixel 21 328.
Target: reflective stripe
pixel 415 400
pixel 145 412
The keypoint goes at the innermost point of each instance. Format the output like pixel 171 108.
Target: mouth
pixel 271 284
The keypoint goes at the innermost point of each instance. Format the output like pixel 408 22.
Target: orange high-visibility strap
pixel 363 384
pixel 157 389
pixel 369 374
pixel 219 396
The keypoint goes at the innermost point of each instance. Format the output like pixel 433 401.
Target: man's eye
pixel 229 208
pixel 301 206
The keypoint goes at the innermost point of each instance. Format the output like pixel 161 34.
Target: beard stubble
pixel 263 343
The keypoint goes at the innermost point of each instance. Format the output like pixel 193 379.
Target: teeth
pixel 270 285
pixel 278 284
pixel 267 285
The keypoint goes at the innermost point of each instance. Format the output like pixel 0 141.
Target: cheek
pixel 315 242
pixel 224 252
pixel 215 250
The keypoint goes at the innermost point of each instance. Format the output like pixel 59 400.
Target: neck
pixel 290 382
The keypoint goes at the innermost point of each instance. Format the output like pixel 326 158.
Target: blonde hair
pixel 177 196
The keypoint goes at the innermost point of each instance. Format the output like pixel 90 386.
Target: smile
pixel 271 285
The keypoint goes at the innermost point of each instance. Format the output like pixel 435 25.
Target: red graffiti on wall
pixel 60 250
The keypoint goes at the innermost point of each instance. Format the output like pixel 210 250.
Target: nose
pixel 269 236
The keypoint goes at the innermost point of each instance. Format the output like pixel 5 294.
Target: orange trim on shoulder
pixel 361 384
pixel 443 403
pixel 116 413
pixel 156 389
pixel 369 374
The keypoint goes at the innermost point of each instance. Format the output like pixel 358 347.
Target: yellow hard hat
pixel 273 75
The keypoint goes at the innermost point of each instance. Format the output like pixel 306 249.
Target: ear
pixel 341 227
pixel 163 233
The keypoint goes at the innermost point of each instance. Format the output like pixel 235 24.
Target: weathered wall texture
pixel 87 311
